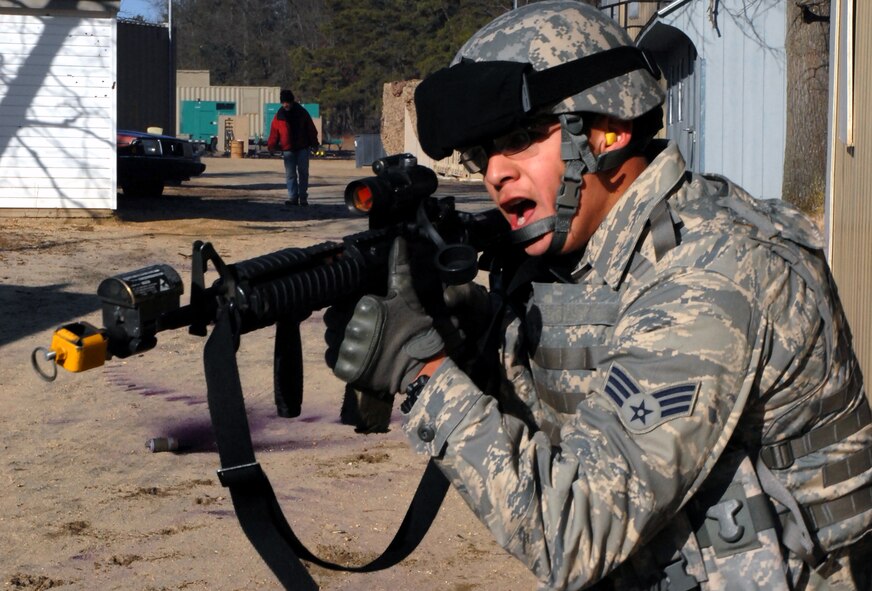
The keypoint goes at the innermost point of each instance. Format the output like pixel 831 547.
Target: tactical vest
pixel 734 527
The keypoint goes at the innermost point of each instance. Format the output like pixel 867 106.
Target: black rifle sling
pixel 257 508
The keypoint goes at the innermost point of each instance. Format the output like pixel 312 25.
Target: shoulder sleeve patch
pixel 641 410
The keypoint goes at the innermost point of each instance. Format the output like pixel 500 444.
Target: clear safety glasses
pixel 474 158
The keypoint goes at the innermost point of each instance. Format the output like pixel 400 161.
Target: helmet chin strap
pixel 578 158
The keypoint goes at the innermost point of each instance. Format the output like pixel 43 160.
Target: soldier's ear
pixel 617 133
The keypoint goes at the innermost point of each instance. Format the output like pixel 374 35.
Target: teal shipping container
pixel 270 109
pixel 200 118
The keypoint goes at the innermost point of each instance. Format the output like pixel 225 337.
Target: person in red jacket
pixel 293 132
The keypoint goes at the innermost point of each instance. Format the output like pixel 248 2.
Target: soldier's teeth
pixel 520 208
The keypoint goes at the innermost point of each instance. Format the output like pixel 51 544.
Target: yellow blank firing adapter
pixel 75 347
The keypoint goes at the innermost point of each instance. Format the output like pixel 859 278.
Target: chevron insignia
pixel 641 411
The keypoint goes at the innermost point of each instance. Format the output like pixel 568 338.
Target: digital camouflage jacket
pixel 699 415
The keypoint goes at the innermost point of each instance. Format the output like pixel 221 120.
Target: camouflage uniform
pixel 699 363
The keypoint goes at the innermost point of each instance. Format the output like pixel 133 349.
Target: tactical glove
pixel 469 308
pixel 388 340
pixel 368 411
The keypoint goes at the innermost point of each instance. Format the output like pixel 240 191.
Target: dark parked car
pixel 147 162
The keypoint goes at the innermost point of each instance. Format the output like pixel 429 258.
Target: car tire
pixel 143 189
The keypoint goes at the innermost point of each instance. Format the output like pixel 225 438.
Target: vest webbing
pixel 569 358
pixel 853 465
pixel 762 518
pixel 665 237
pixel 782 455
pixel 829 512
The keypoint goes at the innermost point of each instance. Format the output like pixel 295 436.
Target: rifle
pixel 283 288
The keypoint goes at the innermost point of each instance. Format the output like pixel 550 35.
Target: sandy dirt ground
pixel 84 504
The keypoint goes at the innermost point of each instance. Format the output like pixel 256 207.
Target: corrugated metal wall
pixel 851 201
pixel 146 77
pixel 249 101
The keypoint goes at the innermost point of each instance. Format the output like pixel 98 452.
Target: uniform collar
pixel 611 247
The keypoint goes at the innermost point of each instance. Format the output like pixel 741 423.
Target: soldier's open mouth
pixel 520 212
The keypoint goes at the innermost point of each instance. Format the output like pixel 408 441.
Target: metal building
pixel 146 77
pixel 849 186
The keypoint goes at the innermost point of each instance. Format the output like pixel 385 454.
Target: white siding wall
pixel 744 89
pixel 57 112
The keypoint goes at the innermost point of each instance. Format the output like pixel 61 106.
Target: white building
pixel 57 104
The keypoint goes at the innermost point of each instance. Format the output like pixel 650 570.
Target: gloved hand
pixel 469 310
pixel 368 411
pixel 388 339
pixel 336 318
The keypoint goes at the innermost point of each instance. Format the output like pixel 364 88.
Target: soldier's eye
pixel 513 142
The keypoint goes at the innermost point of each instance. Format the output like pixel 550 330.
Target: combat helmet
pixel 557 57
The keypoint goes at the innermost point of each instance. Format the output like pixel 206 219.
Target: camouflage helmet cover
pixel 550 33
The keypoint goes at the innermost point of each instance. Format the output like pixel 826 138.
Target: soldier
pixel 677 404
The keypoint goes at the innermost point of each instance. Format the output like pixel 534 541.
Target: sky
pixel 130 8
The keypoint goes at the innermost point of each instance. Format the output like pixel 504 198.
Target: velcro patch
pixel 641 411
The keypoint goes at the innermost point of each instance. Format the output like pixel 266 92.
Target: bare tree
pixel 161 9
pixel 807 50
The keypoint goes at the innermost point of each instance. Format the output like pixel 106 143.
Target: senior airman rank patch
pixel 641 411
